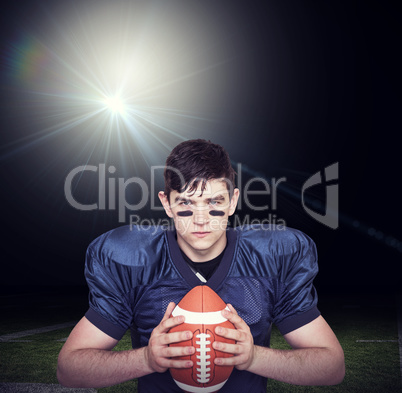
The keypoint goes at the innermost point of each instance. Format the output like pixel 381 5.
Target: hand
pixel 243 349
pixel 158 354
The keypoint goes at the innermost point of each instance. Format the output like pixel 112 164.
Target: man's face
pixel 201 218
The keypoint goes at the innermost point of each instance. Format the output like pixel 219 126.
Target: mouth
pixel 200 234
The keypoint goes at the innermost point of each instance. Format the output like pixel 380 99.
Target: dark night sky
pixel 304 84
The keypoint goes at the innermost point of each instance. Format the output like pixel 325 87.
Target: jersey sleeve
pixel 297 302
pixel 108 306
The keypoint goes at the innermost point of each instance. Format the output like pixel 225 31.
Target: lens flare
pixel 124 82
pixel 115 105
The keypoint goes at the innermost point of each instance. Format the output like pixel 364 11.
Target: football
pixel 202 308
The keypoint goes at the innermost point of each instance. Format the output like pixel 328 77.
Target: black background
pixel 312 83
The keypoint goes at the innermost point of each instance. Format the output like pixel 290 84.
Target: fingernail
pixel 190 349
pixel 188 335
pixel 189 364
pixel 219 330
pixel 218 361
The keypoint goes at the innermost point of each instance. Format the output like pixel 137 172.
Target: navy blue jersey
pixel 265 273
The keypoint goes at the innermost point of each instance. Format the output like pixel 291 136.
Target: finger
pixel 171 352
pixel 161 327
pixel 230 361
pixel 232 309
pixel 168 322
pixel 166 325
pixel 234 349
pixel 232 334
pixel 169 311
pixel 233 317
pixel 175 337
pixel 174 363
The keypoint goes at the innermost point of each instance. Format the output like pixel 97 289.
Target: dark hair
pixel 197 160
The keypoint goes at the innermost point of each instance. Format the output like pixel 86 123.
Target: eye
pixel 185 203
pixel 214 203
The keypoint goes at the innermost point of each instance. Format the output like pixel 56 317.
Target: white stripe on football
pixel 196 318
pixel 195 389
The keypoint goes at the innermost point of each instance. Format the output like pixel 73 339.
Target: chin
pixel 203 243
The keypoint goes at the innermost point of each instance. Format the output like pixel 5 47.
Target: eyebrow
pixel 181 199
pixel 219 197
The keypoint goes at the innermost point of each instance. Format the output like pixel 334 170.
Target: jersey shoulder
pixel 127 245
pixel 275 252
pixel 277 240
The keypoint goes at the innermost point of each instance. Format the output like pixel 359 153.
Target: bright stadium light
pixel 115 104
pixel 121 75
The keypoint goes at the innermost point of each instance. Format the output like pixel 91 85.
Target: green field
pixel 370 366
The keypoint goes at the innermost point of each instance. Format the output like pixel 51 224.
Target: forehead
pixel 212 189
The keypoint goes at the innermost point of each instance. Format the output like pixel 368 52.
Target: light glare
pixel 115 104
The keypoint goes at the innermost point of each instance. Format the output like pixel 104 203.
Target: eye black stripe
pixel 185 213
pixel 216 213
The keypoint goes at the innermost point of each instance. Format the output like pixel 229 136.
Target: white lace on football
pixel 203 369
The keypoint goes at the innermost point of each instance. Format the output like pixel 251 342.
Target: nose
pixel 201 216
